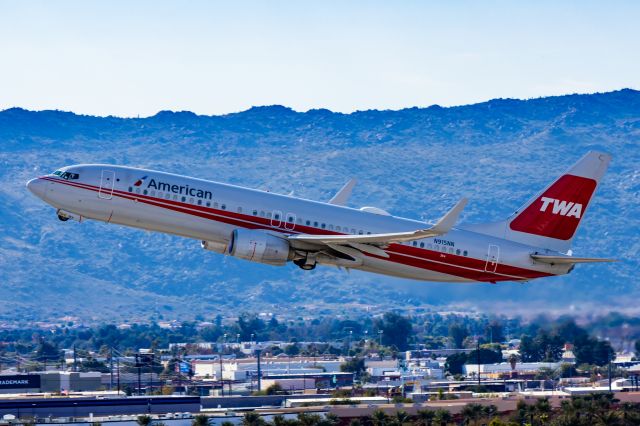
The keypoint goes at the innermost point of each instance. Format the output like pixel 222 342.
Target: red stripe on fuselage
pixel 464 266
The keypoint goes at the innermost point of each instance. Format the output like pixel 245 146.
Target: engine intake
pixel 259 246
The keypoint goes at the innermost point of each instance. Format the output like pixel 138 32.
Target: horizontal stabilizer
pixel 564 260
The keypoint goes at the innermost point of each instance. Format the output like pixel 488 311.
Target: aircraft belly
pixel 386 267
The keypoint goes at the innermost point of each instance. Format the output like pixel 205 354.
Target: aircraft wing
pixel 441 227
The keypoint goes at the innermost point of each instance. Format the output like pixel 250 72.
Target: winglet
pixel 447 221
pixel 342 196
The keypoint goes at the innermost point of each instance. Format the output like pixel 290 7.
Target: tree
pixel 396 330
pixel 424 417
pixel 442 417
pixel 487 356
pixel 402 417
pixel 200 420
pixel 454 363
pixel 379 418
pixel 637 347
pixel 144 420
pixel 252 418
pixel 457 334
pixel 292 349
pixel 354 365
pixel 493 332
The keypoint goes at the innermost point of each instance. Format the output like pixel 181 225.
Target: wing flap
pixel 565 260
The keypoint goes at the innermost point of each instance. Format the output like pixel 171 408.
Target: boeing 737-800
pixel 273 229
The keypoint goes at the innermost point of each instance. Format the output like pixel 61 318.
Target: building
pixel 50 381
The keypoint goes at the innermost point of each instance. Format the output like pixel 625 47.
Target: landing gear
pixel 308 263
pixel 63 218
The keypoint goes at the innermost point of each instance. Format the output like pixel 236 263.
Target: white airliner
pixel 269 228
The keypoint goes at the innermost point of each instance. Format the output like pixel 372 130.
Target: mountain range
pixel 415 162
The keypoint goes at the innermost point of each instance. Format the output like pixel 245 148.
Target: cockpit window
pixel 66 175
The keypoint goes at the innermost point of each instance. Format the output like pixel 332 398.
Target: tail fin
pixel 550 219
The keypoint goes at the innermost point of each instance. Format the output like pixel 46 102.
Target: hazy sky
pixel 135 58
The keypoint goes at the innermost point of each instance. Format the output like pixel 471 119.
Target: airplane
pixel 269 228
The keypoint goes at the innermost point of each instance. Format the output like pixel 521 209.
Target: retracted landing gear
pixel 308 263
pixel 63 218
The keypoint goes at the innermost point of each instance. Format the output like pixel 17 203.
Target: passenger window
pixel 167 196
pixel 415 244
pixel 255 212
pixel 208 204
pixel 191 200
pixel 337 228
pixel 276 216
pixel 308 223
pixel 360 232
pixel 239 209
pixel 130 189
pixel 144 192
pixel 315 224
pixel 368 233
pixel 353 231
pixel 421 245
pixel 175 197
pixel 183 199
pixel 330 227
pixel 199 202
pixel 451 250
pixel 464 253
pixel 323 226
pixel 223 207
pixel 153 193
pixel 290 219
pixel 458 252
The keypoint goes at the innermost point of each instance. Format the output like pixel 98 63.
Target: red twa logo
pixel 557 212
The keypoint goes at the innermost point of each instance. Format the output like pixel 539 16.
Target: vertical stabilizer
pixel 550 219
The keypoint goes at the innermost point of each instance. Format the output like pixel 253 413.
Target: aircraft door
pixel 493 256
pixel 290 221
pixel 107 180
pixel 276 218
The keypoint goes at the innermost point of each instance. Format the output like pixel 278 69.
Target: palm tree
pixel 331 419
pixel 472 412
pixel 379 418
pixel 355 422
pixel 143 420
pixel 200 420
pixel 252 419
pixel 424 417
pixel 402 417
pixel 607 418
pixel 490 410
pixel 308 419
pixel 442 417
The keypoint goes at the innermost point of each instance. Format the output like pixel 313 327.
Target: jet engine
pixel 259 246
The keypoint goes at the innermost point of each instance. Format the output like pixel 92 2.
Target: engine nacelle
pixel 259 246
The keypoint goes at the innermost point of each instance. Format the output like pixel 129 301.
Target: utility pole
pixel 221 381
pixel 138 365
pixel 75 359
pixel 609 372
pixel 111 369
pixel 258 353
pixel 478 356
pixel 118 367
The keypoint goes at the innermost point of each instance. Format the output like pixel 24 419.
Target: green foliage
pixel 144 420
pixel 200 420
pixel 457 334
pixel 251 418
pixel 487 356
pixel 353 365
pixel 455 362
pixel 396 330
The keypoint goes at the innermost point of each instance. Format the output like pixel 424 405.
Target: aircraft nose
pixel 36 186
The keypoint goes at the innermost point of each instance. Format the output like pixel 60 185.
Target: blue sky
pixel 135 58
